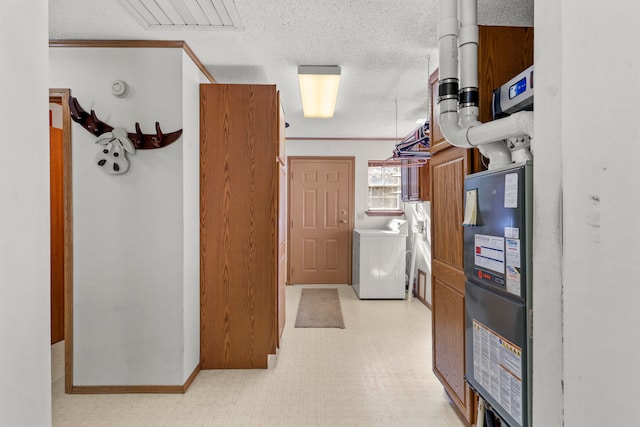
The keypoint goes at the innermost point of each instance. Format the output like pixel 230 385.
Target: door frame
pixel 351 225
pixel 63 95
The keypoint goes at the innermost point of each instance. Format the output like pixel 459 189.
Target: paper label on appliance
pixel 512 232
pixel 513 281
pixel 511 190
pixel 490 252
pixel 471 207
pixel 497 367
pixel 513 252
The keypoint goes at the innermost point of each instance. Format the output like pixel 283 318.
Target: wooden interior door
pixel 62 233
pixel 56 192
pixel 321 212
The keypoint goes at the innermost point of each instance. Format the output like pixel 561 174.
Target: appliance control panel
pixel 515 95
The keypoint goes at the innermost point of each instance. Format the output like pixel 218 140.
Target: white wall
pixel 132 249
pixel 415 212
pixel 25 371
pixel 600 139
pixel 191 78
pixel 595 130
pixel 421 211
pixel 363 151
pixel 548 151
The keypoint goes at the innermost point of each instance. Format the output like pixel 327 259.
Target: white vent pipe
pixel 458 116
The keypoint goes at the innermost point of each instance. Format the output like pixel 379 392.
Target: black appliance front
pixel 496 246
pixel 495 335
pixel 497 260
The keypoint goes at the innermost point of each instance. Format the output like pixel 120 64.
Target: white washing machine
pixel 379 261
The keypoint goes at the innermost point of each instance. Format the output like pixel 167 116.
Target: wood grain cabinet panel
pixel 503 52
pixel 239 176
pixel 448 171
pixel 425 183
pixel 448 333
pixel 409 182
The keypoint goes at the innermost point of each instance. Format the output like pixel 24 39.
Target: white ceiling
pixel 382 46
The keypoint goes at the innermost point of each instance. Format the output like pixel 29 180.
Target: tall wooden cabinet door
pixel 238 229
pixel 425 183
pixel 448 169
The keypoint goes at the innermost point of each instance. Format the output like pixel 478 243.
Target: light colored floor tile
pixel 375 372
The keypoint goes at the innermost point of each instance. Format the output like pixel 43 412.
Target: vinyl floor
pixel 375 372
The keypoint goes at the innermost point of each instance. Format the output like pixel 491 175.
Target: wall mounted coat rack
pixel 141 141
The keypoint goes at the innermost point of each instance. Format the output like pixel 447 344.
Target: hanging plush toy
pixel 112 157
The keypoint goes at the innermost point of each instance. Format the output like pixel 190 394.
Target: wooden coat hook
pixel 141 141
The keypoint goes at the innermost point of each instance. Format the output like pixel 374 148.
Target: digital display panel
pixel 517 88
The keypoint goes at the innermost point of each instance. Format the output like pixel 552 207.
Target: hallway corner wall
pixel 25 369
pixel 191 80
pixel 599 136
pixel 548 374
pixel 585 219
pixel 129 230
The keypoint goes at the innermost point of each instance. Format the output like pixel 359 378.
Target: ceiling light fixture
pixel 319 89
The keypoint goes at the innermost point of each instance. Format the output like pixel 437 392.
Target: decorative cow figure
pixel 112 158
pixel 116 141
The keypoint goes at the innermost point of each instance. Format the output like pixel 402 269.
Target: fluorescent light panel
pixel 319 89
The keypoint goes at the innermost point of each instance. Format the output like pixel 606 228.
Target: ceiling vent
pixel 185 14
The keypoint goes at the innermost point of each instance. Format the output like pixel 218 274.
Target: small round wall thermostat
pixel 119 88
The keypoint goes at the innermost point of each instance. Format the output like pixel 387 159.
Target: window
pixel 384 187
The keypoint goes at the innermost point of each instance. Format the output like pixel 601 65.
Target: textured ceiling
pixel 383 47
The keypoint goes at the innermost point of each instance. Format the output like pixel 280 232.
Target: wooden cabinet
pixel 409 182
pixel 503 52
pixel 424 182
pixel 448 169
pixel 242 306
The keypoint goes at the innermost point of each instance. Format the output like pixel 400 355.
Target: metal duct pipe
pixel 458 115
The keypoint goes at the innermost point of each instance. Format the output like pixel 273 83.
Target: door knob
pixel 344 221
pixel 343 212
